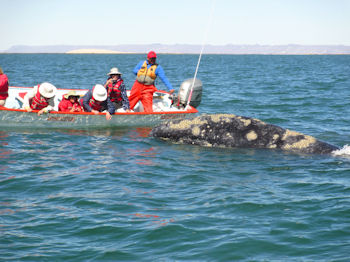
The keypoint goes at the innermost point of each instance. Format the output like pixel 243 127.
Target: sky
pixel 216 22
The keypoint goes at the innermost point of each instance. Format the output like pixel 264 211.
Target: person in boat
pixel 146 73
pixel 41 98
pixel 70 103
pixel 4 87
pixel 116 90
pixel 97 100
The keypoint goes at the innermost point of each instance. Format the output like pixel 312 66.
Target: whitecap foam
pixel 344 151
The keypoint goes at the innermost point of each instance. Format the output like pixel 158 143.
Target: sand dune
pixel 94 51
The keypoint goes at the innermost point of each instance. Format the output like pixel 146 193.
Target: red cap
pixel 152 54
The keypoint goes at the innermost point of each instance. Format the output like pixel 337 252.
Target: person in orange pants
pixel 146 73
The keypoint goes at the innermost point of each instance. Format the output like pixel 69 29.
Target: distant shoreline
pixel 94 51
pixel 141 53
pixel 228 49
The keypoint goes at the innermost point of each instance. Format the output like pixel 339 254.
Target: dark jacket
pixel 106 105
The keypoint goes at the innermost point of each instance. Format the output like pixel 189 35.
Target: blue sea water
pixel 120 195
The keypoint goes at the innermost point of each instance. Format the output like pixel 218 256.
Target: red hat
pixel 152 54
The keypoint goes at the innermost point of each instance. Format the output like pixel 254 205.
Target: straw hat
pixel 47 90
pixel 71 93
pixel 114 71
pixel 99 93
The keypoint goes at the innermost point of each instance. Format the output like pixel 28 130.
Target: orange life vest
pixel 38 102
pixel 147 75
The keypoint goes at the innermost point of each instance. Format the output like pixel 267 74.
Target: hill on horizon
pixel 185 49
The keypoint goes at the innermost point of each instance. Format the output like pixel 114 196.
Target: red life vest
pixel 66 105
pixel 38 102
pixel 4 86
pixel 95 105
pixel 114 92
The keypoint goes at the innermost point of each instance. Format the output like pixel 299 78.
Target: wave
pixel 344 151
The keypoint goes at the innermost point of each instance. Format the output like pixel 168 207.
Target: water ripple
pixel 119 195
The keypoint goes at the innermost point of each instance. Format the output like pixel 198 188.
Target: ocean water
pixel 120 195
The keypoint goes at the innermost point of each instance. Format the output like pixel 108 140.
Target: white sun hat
pixel 47 90
pixel 99 93
pixel 114 71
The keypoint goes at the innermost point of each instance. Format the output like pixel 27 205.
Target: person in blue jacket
pixel 146 73
pixel 96 101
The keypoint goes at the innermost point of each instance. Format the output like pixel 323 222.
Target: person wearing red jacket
pixel 70 103
pixel 4 86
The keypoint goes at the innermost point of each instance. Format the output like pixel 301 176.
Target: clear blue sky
pixel 113 22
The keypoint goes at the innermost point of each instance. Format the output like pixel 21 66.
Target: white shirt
pixel 30 95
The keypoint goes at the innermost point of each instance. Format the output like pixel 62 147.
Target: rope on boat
pixel 200 54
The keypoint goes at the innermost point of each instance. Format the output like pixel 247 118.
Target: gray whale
pixel 226 130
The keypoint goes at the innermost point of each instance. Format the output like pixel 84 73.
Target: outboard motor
pixel 184 93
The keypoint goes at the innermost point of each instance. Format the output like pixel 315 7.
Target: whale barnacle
pixel 251 136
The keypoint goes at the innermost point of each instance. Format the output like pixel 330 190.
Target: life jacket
pixel 146 75
pixel 4 86
pixel 114 91
pixel 38 102
pixel 95 105
pixel 77 107
pixel 66 105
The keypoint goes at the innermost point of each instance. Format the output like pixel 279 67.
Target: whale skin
pixel 229 131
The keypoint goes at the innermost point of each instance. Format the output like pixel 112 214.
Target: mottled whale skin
pixel 226 130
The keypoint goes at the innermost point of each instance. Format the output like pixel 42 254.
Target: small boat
pixel 12 114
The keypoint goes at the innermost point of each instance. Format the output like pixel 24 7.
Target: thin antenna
pixel 203 45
